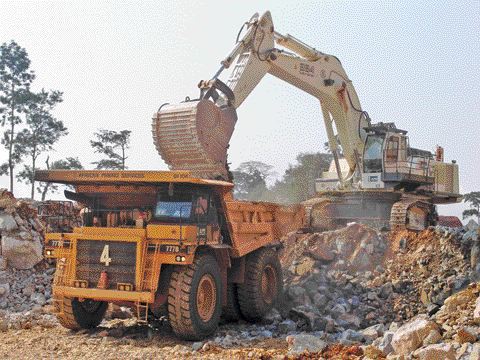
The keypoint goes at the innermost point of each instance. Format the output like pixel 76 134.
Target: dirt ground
pixel 140 343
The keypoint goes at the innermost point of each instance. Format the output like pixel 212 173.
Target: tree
pixel 42 132
pixel 298 182
pixel 250 180
pixel 113 144
pixel 15 80
pixel 473 199
pixel 68 163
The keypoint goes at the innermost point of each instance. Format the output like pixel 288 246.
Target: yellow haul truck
pixel 163 242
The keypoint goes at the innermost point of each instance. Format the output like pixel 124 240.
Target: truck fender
pixel 222 255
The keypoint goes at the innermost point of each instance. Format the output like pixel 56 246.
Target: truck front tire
pixel 74 314
pixel 194 298
pixel 263 284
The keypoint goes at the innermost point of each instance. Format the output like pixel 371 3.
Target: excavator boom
pixel 194 135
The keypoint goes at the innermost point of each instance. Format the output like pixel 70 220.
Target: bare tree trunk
pixel 123 157
pixel 45 190
pixel 10 147
pixel 47 185
pixel 32 179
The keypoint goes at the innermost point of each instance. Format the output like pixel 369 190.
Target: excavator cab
pixel 389 162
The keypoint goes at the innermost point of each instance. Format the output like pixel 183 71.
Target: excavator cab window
pixel 373 154
pixel 392 149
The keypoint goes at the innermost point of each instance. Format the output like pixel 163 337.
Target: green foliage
pixel 69 163
pixel 42 131
pixel 250 180
pixel 298 182
pixel 15 80
pixel 296 185
pixel 473 199
pixel 112 144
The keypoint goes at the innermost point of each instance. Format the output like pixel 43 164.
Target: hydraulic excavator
pixel 375 177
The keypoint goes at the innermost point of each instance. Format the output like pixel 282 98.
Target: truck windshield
pixel 173 209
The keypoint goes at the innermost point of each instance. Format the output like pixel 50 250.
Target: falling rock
pixel 435 352
pixel 21 254
pixel 304 342
pixel 410 336
pixel 305 266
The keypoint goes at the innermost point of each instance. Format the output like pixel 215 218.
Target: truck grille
pixel 121 268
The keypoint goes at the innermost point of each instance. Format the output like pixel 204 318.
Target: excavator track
pixel 194 136
pixel 411 214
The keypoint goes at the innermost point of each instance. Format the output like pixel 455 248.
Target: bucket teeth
pixel 194 136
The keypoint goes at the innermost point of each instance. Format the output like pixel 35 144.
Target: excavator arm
pixel 194 135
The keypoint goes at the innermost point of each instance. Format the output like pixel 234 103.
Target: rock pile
pixel 427 268
pixel 21 233
pixel 356 284
pixel 452 333
pixel 327 281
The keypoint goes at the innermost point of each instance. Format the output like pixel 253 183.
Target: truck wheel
pixel 194 298
pixel 262 286
pixel 231 311
pixel 77 314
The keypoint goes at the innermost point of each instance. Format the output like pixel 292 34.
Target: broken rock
pixel 304 342
pixel 410 336
pixel 435 352
pixel 21 254
pixel 7 223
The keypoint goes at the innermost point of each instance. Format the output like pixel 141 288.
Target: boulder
pixel 373 332
pixel 7 223
pixel 410 336
pixel 432 338
pixel 307 318
pixel 475 354
pixel 476 311
pixel 298 344
pixel 372 352
pixel 21 254
pixel 386 343
pixel 435 352
pixel 466 335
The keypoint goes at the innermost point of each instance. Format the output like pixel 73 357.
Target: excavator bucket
pixel 194 136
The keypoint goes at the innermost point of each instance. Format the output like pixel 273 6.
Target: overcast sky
pixel 413 63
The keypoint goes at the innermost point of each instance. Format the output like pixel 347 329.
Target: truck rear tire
pixel 194 298
pixel 231 311
pixel 75 314
pixel 263 284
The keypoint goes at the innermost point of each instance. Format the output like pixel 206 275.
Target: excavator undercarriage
pixel 378 209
